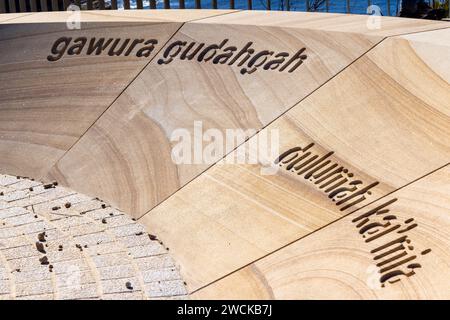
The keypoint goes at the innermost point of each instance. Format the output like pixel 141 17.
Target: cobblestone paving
pixel 58 244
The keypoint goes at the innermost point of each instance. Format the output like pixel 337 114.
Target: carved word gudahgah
pixel 333 179
pixel 223 53
pixel 394 253
pixel 246 58
pixel 98 46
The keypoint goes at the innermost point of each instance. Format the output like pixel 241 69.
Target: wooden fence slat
pixel 114 4
pixel 182 4
pixel 307 5
pixel 126 4
pixel 78 3
pixel 166 4
pixel 231 4
pixel 55 5
pixel 44 6
pixel 2 6
pixel 269 5
pixel 101 4
pixel 327 5
pixel 33 5
pixel 66 4
pixel 22 6
pixel 198 4
pixel 388 3
pixel 139 4
pixel 12 6
pixel 249 4
pixel 152 4
pixel 348 6
pixel 214 4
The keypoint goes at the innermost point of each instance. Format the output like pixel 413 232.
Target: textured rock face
pixel 57 244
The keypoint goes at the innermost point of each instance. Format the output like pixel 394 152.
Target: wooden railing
pixel 8 6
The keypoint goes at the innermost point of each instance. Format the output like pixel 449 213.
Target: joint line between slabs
pixel 319 229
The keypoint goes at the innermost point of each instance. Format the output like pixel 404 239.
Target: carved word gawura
pixel 247 59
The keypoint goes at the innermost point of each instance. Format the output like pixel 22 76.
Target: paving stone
pixel 14 242
pixel 31 276
pixel 69 253
pixel 72 221
pixel 12 212
pixel 4 273
pixel 21 220
pixel 128 230
pixel 110 260
pixel 117 272
pixel 37 297
pixel 146 251
pixel 69 266
pixel 138 240
pixel 74 278
pixel 7 180
pixel 86 206
pixel 103 213
pixel 117 221
pixel 160 275
pixel 166 288
pixel 124 296
pixel 4 287
pixel 93 239
pixel 38 226
pixel 25 184
pixel 33 288
pixel 85 229
pixel 120 285
pixel 155 262
pixel 109 239
pixel 78 292
pixel 106 248
pixel 20 252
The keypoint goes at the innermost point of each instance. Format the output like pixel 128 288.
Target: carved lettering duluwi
pixel 333 179
pixel 394 253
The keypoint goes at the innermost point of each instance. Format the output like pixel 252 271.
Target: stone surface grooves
pixel 57 244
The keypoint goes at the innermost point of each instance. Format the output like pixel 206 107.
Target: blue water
pixel 337 6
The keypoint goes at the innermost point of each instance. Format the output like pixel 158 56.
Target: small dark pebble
pixel 43 260
pixel 60 247
pixel 111 214
pixel 129 286
pixel 17 270
pixel 68 205
pixel 56 208
pixel 104 221
pixel 79 247
pixel 50 268
pixel 2 194
pixel 35 216
pixel 103 206
pixel 48 186
pixel 40 247
pixel 41 236
pixel 139 233
pixel 152 237
pixel 31 189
